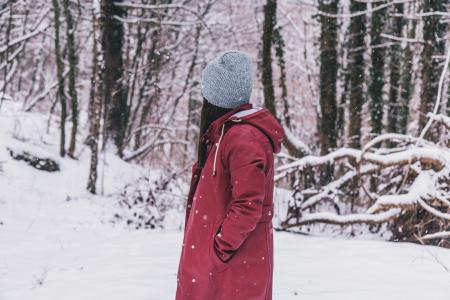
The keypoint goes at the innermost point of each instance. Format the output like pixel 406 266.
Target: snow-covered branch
pixel 364 12
pixel 331 218
pixel 438 235
pixel 426 155
pixel 38 28
pixel 440 118
pixel 425 185
pixel 156 21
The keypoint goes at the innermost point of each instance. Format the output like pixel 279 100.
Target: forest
pixel 361 88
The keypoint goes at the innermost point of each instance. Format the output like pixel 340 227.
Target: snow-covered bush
pixel 150 203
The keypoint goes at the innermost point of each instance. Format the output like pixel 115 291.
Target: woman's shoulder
pixel 244 135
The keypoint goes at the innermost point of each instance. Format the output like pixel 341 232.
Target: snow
pixel 351 218
pixel 58 249
pixel 78 260
pixel 57 242
pixel 420 188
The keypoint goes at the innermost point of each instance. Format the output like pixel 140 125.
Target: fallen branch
pixel 331 218
pixel 437 235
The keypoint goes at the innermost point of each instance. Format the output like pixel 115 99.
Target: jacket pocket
pixel 219 265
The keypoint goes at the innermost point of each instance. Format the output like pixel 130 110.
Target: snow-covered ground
pixel 56 242
pixel 62 257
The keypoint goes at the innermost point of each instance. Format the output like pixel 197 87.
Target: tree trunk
pixel 6 52
pixel 344 78
pixel 116 108
pixel 356 72
pixel 270 11
pixel 433 32
pixel 151 78
pixel 395 67
pixel 406 84
pixel 71 51
pixel 279 53
pixel 60 77
pixel 142 32
pixel 95 107
pixel 328 77
pixel 377 68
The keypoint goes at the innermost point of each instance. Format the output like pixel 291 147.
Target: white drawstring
pixel 217 149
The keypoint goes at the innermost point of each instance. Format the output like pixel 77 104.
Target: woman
pixel 227 251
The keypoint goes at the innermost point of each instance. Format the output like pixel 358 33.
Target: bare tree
pixel 377 50
pixel 59 74
pixel 95 108
pixel 114 91
pixel 72 57
pixel 356 67
pixel 433 29
pixel 328 81
pixel 270 11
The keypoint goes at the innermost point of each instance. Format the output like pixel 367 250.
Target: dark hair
pixel 209 114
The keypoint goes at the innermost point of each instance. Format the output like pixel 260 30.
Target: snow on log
pixel 36 158
pixel 421 187
pixel 437 235
pixel 331 218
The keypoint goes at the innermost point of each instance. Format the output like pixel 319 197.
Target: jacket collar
pixel 213 131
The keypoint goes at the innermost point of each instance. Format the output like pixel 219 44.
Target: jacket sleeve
pixel 246 157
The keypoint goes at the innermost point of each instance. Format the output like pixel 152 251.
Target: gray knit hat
pixel 227 79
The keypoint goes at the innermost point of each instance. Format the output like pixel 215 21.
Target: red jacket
pixel 227 251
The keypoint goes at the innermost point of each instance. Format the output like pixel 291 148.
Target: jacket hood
pixel 258 117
